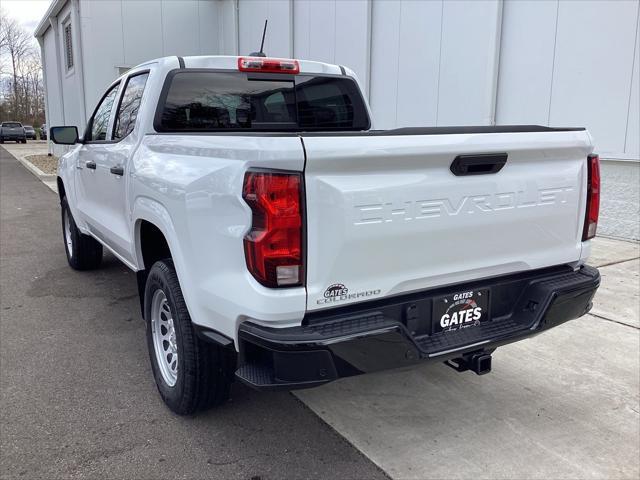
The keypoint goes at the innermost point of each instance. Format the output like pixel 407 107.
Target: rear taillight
pixel 273 246
pixel 268 65
pixel 593 197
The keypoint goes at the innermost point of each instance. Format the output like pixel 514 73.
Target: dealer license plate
pixel 464 309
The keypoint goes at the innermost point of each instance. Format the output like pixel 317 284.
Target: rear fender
pixel 147 209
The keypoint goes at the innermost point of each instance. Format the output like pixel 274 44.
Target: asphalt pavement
pixel 76 393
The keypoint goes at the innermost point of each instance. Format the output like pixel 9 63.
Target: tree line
pixel 21 81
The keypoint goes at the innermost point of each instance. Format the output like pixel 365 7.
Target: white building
pixel 422 62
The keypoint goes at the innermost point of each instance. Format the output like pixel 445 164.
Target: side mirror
pixel 64 135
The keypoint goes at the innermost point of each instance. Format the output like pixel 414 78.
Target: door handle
pixel 119 170
pixel 91 165
pixel 479 164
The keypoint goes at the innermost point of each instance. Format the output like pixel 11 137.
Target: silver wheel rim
pixel 164 338
pixel 67 234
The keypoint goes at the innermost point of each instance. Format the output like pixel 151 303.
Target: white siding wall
pixel 632 142
pixel 117 33
pixel 53 104
pixel 468 62
pixel 424 71
pixel 526 62
pixel 593 65
pixel 253 13
pixel 71 81
pixel 431 62
pixel 335 31
pixel 103 51
pixel 571 63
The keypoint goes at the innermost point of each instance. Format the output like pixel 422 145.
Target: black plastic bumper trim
pixel 212 336
pixel 377 335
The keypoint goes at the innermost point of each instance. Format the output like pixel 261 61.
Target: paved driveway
pixel 77 396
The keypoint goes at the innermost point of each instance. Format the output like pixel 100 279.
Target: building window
pixel 68 46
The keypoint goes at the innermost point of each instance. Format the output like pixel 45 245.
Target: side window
pixel 129 105
pixel 100 121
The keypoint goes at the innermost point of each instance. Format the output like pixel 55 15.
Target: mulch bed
pixel 48 164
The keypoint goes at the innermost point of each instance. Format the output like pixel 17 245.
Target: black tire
pixel 205 371
pixel 84 252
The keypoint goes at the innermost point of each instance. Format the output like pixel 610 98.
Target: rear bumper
pixel 398 331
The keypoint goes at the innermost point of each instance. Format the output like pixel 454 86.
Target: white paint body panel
pixel 190 188
pixel 386 215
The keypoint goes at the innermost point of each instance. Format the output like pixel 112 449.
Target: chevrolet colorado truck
pixel 279 239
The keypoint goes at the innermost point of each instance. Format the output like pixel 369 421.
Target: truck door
pixel 116 166
pixel 93 152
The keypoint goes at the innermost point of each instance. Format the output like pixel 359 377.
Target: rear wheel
pixel 83 251
pixel 191 375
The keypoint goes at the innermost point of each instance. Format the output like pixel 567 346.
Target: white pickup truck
pixel 280 240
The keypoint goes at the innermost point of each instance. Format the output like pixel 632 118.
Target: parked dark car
pixel 29 132
pixel 43 131
pixel 12 131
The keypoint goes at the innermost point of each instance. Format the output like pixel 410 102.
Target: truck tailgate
pixel 386 215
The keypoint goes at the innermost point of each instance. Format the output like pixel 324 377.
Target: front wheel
pixel 191 375
pixel 83 251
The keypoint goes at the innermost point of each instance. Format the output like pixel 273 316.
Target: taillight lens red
pixel 593 197
pixel 268 65
pixel 273 246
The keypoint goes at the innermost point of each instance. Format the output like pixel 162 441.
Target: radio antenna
pixel 261 52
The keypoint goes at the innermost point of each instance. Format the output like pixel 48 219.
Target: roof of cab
pixel 228 62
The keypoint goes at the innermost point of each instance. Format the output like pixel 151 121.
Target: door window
pixel 100 120
pixel 129 106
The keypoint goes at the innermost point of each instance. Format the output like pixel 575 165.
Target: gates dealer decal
pixel 462 313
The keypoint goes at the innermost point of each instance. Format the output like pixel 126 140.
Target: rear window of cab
pixel 214 101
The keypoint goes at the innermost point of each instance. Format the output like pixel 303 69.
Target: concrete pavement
pixel 564 404
pixel 76 393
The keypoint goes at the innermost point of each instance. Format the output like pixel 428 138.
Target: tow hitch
pixel 479 363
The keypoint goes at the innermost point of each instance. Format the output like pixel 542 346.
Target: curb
pixel 48 179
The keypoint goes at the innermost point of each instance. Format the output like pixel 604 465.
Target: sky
pixel 27 12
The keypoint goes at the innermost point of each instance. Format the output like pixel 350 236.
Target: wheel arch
pixel 155 238
pixel 62 192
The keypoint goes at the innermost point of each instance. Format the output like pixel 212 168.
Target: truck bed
pixel 454 130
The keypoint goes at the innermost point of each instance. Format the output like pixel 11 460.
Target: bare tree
pixel 17 44
pixel 22 60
